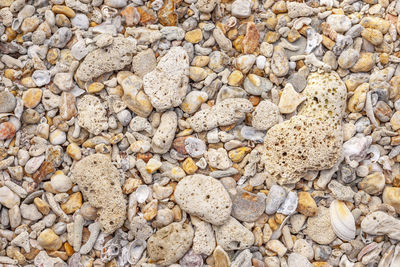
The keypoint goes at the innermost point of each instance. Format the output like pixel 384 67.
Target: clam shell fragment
pixel 342 221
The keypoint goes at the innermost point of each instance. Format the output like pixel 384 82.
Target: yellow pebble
pixel 272 223
pixel 189 166
pixel 153 165
pixel 194 36
pixel 74 151
pixel 95 87
pixel 59 9
pixel 237 155
pixel 235 78
pixel 32 97
pixel 9 74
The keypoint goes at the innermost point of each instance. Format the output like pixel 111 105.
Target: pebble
pixel 49 240
pixel 7 102
pixel 241 8
pixel 61 182
pixel 289 100
pixel 232 235
pixel 319 227
pixel 248 207
pixel 390 196
pixel 307 205
pixel 276 196
pixel 256 85
pixel 170 243
pixel 339 23
pixel 205 197
pixel 8 198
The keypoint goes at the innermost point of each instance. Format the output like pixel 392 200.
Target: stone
pixel 224 113
pixel 8 198
pixel 296 10
pixel 245 62
pixel 241 8
pixel 32 97
pixel 161 83
pixel 306 205
pixel 304 248
pixel 167 15
pixel 7 130
pixel 170 243
pixel 60 182
pixel 204 197
pixel 276 196
pixel 165 133
pixel 395 121
pixel 221 258
pixel 57 137
pixel 218 158
pixel 289 100
pixel 30 212
pixel 73 203
pixel 206 6
pixel 256 85
pixel 314 137
pixel 49 240
pixel 341 192
pixel 144 62
pixel 373 36
pixel 98 180
pixel 377 23
pixel 232 235
pixel 248 207
pixel 224 43
pixel 319 227
pixel 265 115
pixel 391 196
pixel 193 100
pixel 92 114
pixel 102 60
pixel 277 247
pixel 194 36
pixel 251 39
pixel 204 239
pixel 280 63
pixel 365 63
pixel 348 58
pixel 339 23
pixel 373 183
pixel 197 74
pixel 60 38
pixel 357 100
pixel 189 166
pixel 235 78
pixel 7 102
pixel 296 259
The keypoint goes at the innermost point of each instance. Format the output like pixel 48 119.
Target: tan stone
pixel 74 151
pixel 373 183
pixel 197 74
pixel 307 205
pixel 237 155
pixel 150 210
pixel 67 11
pixel 373 36
pixel 42 206
pixel 357 101
pixel 189 166
pixel 365 63
pixel 221 258
pixel 235 78
pixel 272 37
pixel 73 203
pixel 391 196
pixel 32 97
pixel 49 240
pixel 194 36
pixel 395 121
pixel 251 39
pixel 289 100
pixel 376 23
pixel 95 87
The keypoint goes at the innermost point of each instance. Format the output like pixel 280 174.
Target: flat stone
pixel 248 207
pixel 319 227
pixel 233 235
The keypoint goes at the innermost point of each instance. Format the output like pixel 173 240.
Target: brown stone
pixel 307 205
pixel 73 203
pixel 251 39
pixel 167 15
pixel 131 15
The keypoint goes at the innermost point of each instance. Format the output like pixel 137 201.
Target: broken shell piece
pixel 381 223
pixel 142 192
pixel 342 221
pixel 136 249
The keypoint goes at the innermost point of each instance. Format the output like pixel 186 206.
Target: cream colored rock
pixel 98 180
pixel 165 133
pixel 373 183
pixel 381 223
pixel 265 115
pixel 357 101
pixel 289 100
pixel 204 197
pixel 193 100
pixel 204 239
pixel 92 114
pixel 49 240
pixel 313 138
pixel 167 84
pixel 232 235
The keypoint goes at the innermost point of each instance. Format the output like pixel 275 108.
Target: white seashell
pixel 136 249
pixel 142 192
pixel 342 221
pixel 381 223
pixel 396 257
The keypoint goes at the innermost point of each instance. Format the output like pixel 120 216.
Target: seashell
pixel 342 221
pixel 142 193
pixel 111 249
pixel 301 22
pixel 41 77
pixel 135 252
pixel 328 31
pixel 7 130
pixel 232 21
pixel 367 249
pixel 289 206
pixel 381 223
pixel 313 40
pixel 374 150
pixel 195 147
pixel 387 258
pixel 396 257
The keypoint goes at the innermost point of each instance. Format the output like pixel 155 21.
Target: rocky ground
pixel 200 133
